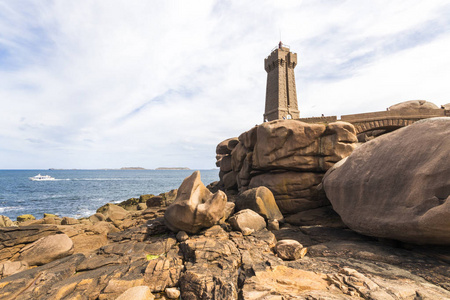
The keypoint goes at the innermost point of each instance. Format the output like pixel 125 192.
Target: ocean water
pixel 79 193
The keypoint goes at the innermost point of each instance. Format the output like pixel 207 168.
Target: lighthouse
pixel 281 93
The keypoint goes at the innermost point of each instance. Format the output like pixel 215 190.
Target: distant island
pixel 174 168
pixel 103 169
pixel 126 168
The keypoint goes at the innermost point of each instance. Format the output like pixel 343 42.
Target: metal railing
pixel 282 45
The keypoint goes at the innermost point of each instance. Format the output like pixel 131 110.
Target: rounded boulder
pixel 397 186
pixel 47 249
pixel 246 220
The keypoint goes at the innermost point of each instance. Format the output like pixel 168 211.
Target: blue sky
pixel 107 84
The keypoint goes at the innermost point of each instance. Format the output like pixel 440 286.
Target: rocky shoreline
pixel 267 230
pixel 216 263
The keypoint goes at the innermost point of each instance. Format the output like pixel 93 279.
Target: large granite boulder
pixel 293 191
pixel 259 200
pixel 195 206
pixel 397 186
pixel 414 104
pixel 47 249
pixel 298 146
pixel 13 239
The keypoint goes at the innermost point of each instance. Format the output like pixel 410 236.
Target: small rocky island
pixel 172 168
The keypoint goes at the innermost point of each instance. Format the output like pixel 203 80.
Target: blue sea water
pixel 78 193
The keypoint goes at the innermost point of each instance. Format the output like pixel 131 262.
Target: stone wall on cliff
pixel 289 157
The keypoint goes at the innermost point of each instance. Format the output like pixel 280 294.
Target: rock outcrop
pixel 5 221
pixel 217 263
pixel 26 217
pixel 223 160
pixel 195 207
pixel 293 191
pixel 13 239
pixel 414 104
pixel 397 186
pixel 113 212
pixel 298 146
pixel 287 156
pixel 141 258
pixel 149 200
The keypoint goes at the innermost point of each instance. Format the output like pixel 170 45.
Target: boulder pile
pixel 289 157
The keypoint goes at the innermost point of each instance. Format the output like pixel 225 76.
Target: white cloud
pixel 152 83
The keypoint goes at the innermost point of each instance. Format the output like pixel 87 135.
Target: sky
pixel 110 84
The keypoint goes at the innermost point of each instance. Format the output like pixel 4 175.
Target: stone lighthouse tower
pixel 281 94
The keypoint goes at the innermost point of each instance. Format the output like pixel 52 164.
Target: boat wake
pixel 10 208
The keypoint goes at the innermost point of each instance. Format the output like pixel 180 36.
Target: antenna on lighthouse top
pixel 280 38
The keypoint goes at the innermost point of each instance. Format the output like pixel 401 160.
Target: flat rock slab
pixel 285 281
pixel 137 293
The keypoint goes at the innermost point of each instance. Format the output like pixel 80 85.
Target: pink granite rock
pixel 47 249
pixel 397 185
pixel 195 207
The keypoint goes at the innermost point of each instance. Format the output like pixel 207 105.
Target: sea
pixel 79 193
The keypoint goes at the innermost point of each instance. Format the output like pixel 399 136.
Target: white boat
pixel 40 177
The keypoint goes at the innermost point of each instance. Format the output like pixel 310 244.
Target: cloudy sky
pixel 107 84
